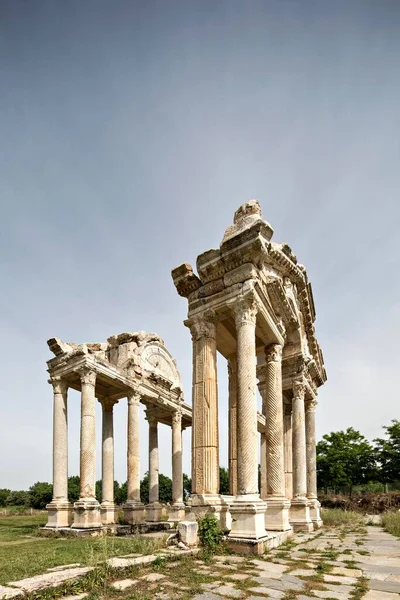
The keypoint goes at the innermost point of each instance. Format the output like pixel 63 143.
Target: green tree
pixel 223 480
pixel 4 493
pixel 18 498
pixel 388 453
pixel 345 459
pixel 164 487
pixel 122 493
pixel 74 483
pixel 187 486
pixel 41 493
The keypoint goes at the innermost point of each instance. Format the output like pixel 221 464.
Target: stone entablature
pixel 252 302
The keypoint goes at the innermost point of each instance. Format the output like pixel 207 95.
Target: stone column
pixel 177 510
pixel 205 443
pixel 311 454
pixel 287 436
pixel 87 509
pixel 232 424
pixel 153 509
pixel 133 508
pixel 263 466
pixel 277 515
pixel 300 507
pixel 59 509
pixel 248 510
pixel 107 507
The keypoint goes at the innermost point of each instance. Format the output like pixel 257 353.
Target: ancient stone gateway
pixel 135 366
pixel 252 302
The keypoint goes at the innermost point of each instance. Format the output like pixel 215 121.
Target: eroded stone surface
pixel 39 582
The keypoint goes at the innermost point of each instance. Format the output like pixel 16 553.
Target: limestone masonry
pixel 252 302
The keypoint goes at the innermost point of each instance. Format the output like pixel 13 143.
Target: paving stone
pixel 268 591
pixel 77 597
pixel 123 584
pixel 302 572
pixel 8 592
pixel 271 570
pixel 229 559
pixel 330 594
pixel 377 595
pixel 227 567
pixel 211 586
pixel 118 562
pixel 153 577
pixel 346 572
pixel 384 586
pixel 340 579
pixel 229 592
pixel 238 576
pixel 39 582
pixel 259 598
pixel 395 578
pixel 343 589
pixel 206 596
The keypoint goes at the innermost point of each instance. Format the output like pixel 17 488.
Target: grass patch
pixel 360 589
pixel 391 523
pixel 335 517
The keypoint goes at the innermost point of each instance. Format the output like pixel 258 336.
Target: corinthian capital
pixel 299 389
pixel 273 353
pixel 88 376
pixel 203 326
pixel 311 404
pixel 133 397
pixel 177 416
pixel 245 310
pixel 60 386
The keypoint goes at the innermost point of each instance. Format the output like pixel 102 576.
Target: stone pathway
pixel 332 564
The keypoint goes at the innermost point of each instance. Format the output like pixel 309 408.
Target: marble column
pixel 287 436
pixel 205 442
pixel 232 424
pixel 153 509
pixel 247 510
pixel 107 508
pixel 311 455
pixel 87 508
pixel 59 509
pixel 263 466
pixel 277 515
pixel 133 507
pixel 300 506
pixel 177 510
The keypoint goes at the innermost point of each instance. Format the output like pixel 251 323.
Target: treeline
pixel 348 462
pixel 41 492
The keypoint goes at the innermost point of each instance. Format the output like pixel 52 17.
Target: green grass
pixel 335 517
pixel 24 553
pixel 391 522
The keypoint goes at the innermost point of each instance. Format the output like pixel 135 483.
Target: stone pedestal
pixel 87 508
pixel 154 512
pixel 277 514
pixel 247 510
pixel 133 507
pixel 311 454
pixel 300 518
pixel 59 514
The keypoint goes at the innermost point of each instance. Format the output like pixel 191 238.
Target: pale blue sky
pixel 129 134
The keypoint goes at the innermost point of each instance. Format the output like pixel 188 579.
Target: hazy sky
pixel 129 134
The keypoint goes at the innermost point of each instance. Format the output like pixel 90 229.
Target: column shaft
pixel 232 423
pixel 177 473
pixel 108 453
pixel 311 451
pixel 274 422
pixel 60 440
pixel 287 429
pixel 263 466
pixel 299 442
pixel 205 462
pixel 88 435
pixel 247 400
pixel 133 453
pixel 153 461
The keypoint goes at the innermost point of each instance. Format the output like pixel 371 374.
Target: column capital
pixel 311 404
pixel 273 353
pixel 177 416
pixel 203 326
pixel 245 310
pixel 60 386
pixel 87 375
pixel 299 389
pixel 133 397
pixel 152 420
pixel 107 403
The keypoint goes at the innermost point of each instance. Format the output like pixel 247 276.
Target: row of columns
pixel 87 511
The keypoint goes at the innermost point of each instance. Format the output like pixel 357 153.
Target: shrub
pixel 18 498
pixel 210 532
pixel 40 494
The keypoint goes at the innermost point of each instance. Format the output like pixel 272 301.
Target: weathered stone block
pixel 187 531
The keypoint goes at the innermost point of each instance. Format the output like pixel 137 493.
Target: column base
pixel 277 514
pixel 176 512
pixel 248 518
pixel 133 512
pixel 300 518
pixel 200 504
pixel 86 514
pixel 154 512
pixel 315 513
pixel 108 513
pixel 60 514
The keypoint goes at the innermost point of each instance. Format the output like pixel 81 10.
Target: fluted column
pixel 277 515
pixel 107 503
pixel 59 509
pixel 311 457
pixel 177 510
pixel 205 462
pixel 87 508
pixel 287 436
pixel 232 423
pixel 300 506
pixel 133 508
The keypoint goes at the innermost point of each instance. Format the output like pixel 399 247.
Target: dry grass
pixel 391 522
